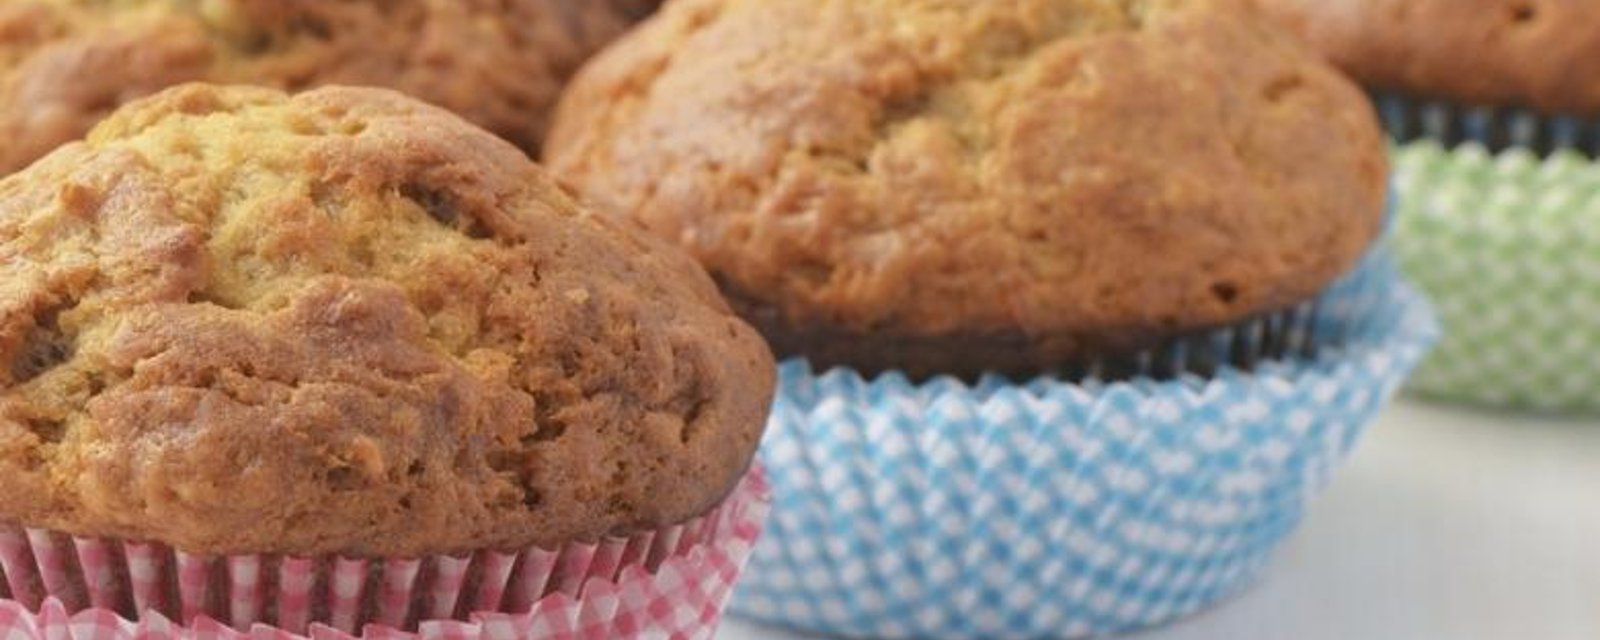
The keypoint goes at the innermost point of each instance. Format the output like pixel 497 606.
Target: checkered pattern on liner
pixel 1050 509
pixel 1508 247
pixel 682 599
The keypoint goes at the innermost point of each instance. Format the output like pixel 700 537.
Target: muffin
pixel 917 202
pixel 65 64
pixel 1075 320
pixel 347 334
pixel 1541 54
pixel 1496 110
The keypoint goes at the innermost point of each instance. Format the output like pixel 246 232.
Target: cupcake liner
pixel 1507 244
pixel 1049 509
pixel 669 583
pixel 1409 119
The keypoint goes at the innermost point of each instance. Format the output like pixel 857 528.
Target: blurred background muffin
pixel 1496 107
pixel 1541 54
pixel 64 64
pixel 247 327
pixel 1158 222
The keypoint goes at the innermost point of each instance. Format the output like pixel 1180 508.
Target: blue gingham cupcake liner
pixel 1055 509
pixel 1500 225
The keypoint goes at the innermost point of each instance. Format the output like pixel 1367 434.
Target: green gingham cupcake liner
pixel 1500 224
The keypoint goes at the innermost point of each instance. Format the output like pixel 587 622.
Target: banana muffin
pixel 64 64
pixel 234 321
pixel 1543 54
pixel 955 187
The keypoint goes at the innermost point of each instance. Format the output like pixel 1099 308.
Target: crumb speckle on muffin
pixel 238 322
pixel 974 185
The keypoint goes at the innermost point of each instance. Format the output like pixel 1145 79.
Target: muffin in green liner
pixel 1508 245
pixel 1495 108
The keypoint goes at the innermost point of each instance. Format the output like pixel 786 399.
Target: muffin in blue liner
pixel 1500 225
pixel 942 197
pixel 1055 509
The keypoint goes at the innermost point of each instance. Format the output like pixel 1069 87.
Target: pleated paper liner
pixel 1058 509
pixel 1500 225
pixel 1409 119
pixel 667 583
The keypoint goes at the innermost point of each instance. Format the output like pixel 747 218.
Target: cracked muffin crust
pixel 65 64
pixel 1543 54
pixel 964 185
pixel 237 322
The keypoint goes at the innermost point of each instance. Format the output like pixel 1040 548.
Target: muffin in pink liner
pixel 342 363
pixel 667 583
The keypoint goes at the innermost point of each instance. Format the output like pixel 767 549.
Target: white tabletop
pixel 1446 524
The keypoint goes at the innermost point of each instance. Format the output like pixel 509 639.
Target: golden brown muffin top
pixel 234 321
pixel 1543 54
pixel 64 64
pixel 1084 174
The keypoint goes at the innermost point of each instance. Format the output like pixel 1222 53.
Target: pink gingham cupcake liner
pixel 668 583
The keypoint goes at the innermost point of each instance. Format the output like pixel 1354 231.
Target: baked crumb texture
pixel 238 322
pixel 1541 54
pixel 65 64
pixel 964 185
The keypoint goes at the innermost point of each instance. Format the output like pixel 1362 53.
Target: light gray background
pixel 1446 524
